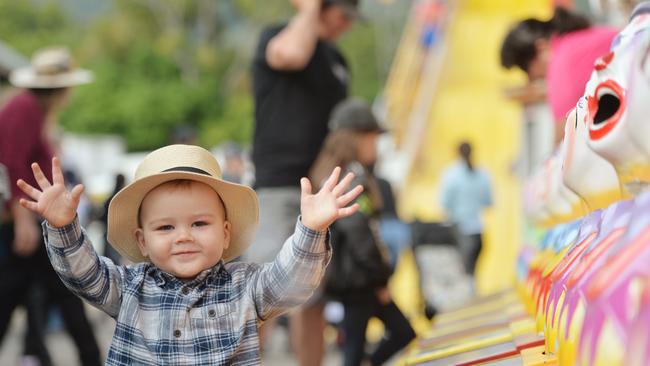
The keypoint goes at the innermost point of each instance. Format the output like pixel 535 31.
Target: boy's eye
pixel 164 228
pixel 200 223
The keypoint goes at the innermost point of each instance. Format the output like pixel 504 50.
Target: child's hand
pixel 53 202
pixel 320 210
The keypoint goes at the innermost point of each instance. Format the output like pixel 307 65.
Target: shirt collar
pixel 162 278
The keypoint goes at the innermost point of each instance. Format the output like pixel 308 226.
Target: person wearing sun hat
pixel 182 302
pixel 26 120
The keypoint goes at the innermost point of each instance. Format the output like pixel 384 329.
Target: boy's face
pixel 184 230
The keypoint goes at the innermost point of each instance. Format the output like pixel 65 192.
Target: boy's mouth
pixel 185 253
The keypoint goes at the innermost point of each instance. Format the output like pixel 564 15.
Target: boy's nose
pixel 184 235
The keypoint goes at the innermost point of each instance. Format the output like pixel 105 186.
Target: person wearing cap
pixel 360 269
pixel 298 75
pixel 183 302
pixel 26 123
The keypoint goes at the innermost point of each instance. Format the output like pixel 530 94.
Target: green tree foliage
pixel 27 27
pixel 359 48
pixel 160 64
pixel 154 71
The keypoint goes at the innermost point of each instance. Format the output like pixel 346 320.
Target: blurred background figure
pixel 465 193
pixel 234 162
pixel 560 52
pixel 28 122
pixel 183 134
pixel 299 75
pixel 109 251
pixel 5 191
pixel 360 269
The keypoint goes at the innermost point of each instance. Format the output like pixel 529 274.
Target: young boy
pixel 181 303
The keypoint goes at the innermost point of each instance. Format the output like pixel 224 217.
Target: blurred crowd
pixel 306 123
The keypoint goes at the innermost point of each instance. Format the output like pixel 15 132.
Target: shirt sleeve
pixel 95 279
pixel 295 273
pixel 319 64
pixel 263 42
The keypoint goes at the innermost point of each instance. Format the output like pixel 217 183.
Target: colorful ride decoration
pixel 612 133
pixel 583 292
pixel 587 281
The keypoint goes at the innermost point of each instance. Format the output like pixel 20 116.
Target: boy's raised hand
pixel 320 210
pixel 53 202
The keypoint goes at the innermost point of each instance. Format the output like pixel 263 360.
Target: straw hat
pixel 50 68
pixel 180 162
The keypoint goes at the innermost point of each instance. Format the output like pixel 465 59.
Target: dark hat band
pixel 187 169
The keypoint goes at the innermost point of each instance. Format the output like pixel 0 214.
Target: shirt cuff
pixel 312 241
pixel 63 237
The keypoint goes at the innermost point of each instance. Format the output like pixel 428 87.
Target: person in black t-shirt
pixel 298 77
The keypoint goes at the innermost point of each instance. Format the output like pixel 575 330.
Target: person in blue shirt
pixel 466 191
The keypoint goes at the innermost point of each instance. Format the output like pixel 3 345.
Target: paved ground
pixel 63 352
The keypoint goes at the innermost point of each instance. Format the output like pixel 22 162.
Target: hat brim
pixel 25 77
pixel 242 211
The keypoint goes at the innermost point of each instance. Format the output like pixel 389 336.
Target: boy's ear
pixel 226 234
pixel 139 235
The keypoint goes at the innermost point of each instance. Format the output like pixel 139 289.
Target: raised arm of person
pixel 299 267
pixel 73 257
pixel 294 46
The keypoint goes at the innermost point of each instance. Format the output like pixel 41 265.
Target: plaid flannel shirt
pixel 211 320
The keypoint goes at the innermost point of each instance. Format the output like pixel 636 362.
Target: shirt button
pixel 185 290
pixel 212 313
pixel 177 333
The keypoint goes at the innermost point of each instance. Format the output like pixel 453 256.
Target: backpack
pixel 357 261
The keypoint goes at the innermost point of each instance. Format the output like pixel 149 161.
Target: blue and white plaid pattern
pixel 212 320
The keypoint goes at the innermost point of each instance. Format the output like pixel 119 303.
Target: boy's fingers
pixel 29 190
pixel 332 179
pixel 40 177
pixel 347 211
pixel 57 175
pixel 30 205
pixel 343 184
pixel 76 194
pixel 305 186
pixel 350 196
